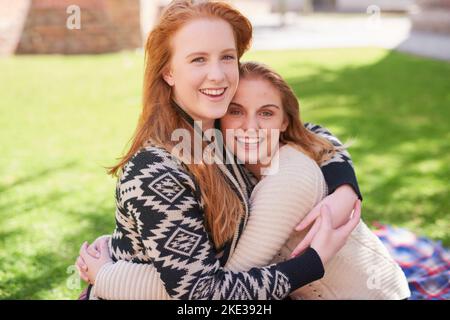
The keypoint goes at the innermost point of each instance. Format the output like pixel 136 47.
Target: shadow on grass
pixel 44 173
pixel 398 111
pixel 32 202
pixel 33 275
pixel 51 265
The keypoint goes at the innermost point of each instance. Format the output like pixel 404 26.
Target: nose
pixel 250 123
pixel 216 72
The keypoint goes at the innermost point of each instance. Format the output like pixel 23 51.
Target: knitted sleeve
pixel 159 197
pixel 339 169
pixel 275 211
pixel 127 280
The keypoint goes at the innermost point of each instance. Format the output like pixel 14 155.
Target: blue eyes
pixel 264 114
pixel 201 59
pixel 235 112
pixel 229 57
pixel 198 60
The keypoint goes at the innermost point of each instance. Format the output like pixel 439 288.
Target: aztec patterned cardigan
pixel 160 223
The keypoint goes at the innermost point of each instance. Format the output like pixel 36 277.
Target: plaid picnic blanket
pixel 426 263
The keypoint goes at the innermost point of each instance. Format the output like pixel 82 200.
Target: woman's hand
pixel 326 239
pixel 341 203
pixel 92 258
pixel 94 250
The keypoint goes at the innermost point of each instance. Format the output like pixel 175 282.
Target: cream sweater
pixel 362 269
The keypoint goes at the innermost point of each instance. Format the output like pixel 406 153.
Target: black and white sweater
pixel 338 170
pixel 159 221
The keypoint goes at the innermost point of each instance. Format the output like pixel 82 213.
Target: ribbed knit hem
pixel 100 289
pixel 129 281
pixel 337 175
pixel 303 269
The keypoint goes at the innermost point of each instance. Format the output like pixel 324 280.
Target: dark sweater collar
pixel 186 117
pixel 233 173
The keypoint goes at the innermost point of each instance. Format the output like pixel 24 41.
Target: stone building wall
pixel 105 26
pixel 433 16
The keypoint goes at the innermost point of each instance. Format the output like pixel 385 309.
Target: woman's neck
pixel 206 124
pixel 258 168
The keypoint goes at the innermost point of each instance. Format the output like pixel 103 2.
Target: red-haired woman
pixel 180 216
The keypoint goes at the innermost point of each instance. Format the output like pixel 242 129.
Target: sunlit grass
pixel 396 109
pixel 63 118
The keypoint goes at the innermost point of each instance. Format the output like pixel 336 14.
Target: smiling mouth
pixel 213 93
pixel 249 141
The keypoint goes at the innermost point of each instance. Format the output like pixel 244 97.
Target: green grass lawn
pixel 63 119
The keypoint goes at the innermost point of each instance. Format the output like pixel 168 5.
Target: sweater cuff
pixel 123 281
pixel 129 281
pixel 336 175
pixel 303 269
pixel 102 281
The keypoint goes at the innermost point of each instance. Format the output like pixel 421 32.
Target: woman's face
pixel 203 70
pixel 257 118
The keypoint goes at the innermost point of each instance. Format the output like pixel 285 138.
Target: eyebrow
pixel 200 53
pixel 264 106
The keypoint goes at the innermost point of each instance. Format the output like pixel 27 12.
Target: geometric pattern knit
pixel 167 230
pixel 159 221
pixel 339 169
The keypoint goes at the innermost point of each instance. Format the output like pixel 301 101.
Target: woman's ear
pixel 168 77
pixel 284 125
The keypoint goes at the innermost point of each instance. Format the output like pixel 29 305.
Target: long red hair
pixel 159 118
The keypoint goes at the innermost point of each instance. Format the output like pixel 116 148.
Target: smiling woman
pixel 179 220
pixel 256 110
pixel 210 67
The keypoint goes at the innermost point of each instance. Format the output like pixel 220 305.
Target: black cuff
pixel 337 174
pixel 303 269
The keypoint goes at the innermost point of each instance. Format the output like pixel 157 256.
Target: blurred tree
pixel 308 7
pixel 282 9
